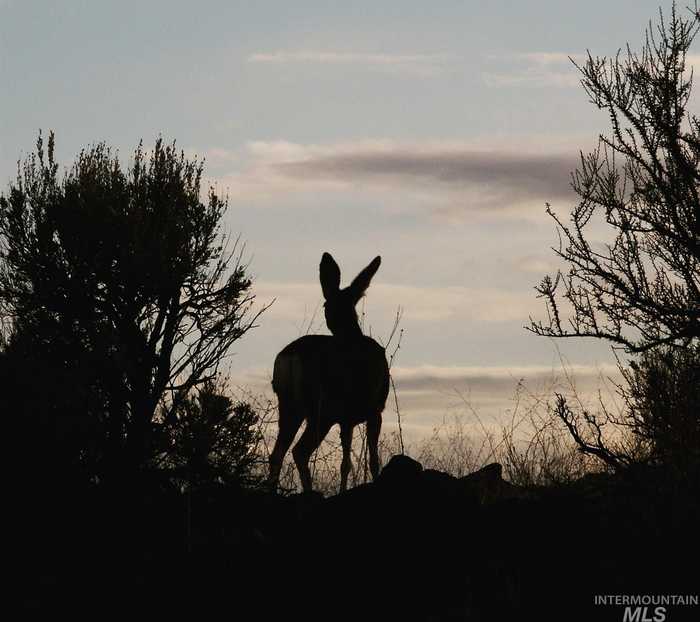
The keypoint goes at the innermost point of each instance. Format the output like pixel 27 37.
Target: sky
pixel 430 133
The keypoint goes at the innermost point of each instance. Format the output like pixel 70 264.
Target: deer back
pixel 334 378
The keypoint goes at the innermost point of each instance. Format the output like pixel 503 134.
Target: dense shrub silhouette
pixel 121 294
pixel 663 400
pixel 210 439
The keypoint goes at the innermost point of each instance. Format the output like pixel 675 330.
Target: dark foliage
pixel 119 295
pixel 210 439
pixel 663 400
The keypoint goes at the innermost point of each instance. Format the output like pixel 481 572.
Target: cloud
pixel 534 69
pixel 345 58
pixel 544 69
pixel 488 396
pixel 495 380
pixel 536 264
pixel 455 175
pixel 428 395
pixel 499 174
pixel 299 301
pixel 421 64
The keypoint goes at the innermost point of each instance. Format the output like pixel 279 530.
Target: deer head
pixel 339 306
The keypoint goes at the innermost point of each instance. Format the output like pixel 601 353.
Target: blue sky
pixel 431 133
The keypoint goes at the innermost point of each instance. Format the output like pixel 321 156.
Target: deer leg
pixel 346 464
pixel 310 439
pixel 289 424
pixel 374 426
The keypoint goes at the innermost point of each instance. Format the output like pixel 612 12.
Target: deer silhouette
pixel 324 380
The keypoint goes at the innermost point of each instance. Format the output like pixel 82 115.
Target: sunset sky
pixel 430 133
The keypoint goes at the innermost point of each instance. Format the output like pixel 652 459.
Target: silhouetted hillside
pixel 417 544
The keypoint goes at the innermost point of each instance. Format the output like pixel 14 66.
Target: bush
pixel 663 401
pixel 121 284
pixel 212 439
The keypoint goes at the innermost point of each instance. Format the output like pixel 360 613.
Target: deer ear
pixel 329 273
pixel 361 281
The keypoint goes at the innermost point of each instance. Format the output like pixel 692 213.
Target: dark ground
pixel 416 545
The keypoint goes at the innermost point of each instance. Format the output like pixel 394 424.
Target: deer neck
pixel 349 333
